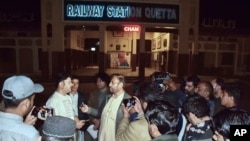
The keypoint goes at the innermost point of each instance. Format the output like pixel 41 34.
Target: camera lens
pixel 50 111
pixel 43 114
pixel 129 102
pixel 35 111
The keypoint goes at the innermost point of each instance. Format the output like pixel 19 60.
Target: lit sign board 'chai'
pixel 132 28
pixel 121 12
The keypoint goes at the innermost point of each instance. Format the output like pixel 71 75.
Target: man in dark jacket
pixel 112 113
pixel 78 98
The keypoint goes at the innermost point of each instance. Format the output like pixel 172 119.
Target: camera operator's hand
pixel 84 108
pixel 30 119
pixel 125 111
pixel 138 106
pixel 39 115
pixel 50 112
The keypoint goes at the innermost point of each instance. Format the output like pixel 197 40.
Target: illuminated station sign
pixel 121 12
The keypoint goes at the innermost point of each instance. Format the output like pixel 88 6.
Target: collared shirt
pixel 74 98
pixel 12 128
pixel 62 105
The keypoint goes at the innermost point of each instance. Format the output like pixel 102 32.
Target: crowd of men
pixel 158 110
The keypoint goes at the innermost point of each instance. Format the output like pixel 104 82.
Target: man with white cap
pixel 18 96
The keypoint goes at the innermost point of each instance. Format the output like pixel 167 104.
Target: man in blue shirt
pixel 18 96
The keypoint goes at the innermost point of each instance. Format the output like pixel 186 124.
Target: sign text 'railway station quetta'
pixel 121 12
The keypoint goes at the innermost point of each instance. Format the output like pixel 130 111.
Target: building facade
pixel 167 35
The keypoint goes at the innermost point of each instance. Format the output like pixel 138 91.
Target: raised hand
pixel 84 108
pixel 30 119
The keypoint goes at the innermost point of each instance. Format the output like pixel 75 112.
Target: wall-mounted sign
pixel 136 28
pixel 121 12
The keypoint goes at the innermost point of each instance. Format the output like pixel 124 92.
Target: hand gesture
pixel 80 123
pixel 84 108
pixel 30 119
pixel 96 123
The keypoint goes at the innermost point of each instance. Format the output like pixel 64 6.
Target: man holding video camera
pixel 134 126
pixel 163 79
pixel 18 96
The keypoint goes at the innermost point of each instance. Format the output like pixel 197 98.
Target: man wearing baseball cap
pixel 18 96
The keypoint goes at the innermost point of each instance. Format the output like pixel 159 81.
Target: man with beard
pixel 112 113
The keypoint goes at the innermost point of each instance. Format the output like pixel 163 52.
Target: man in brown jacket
pixel 133 128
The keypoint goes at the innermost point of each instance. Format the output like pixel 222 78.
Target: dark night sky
pixel 227 9
pixel 20 5
pixel 14 14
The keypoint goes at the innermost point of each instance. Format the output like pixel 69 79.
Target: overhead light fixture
pixel 92 49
